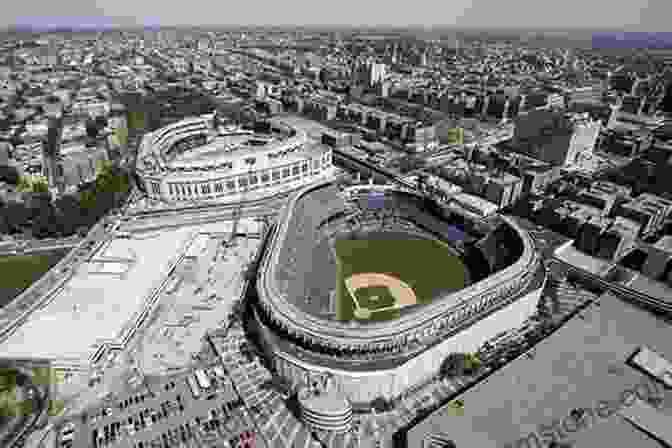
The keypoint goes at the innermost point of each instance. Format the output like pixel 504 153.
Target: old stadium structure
pixel 189 161
pixel 295 314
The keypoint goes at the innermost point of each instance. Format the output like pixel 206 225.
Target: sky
pixel 644 15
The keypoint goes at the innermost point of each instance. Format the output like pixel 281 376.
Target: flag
pixel 376 200
pixel 455 233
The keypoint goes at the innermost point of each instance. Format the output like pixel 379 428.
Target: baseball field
pixel 383 273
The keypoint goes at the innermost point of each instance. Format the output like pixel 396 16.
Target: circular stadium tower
pixel 189 161
pixel 368 285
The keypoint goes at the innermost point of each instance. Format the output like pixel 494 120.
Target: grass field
pixel 18 272
pixel 425 265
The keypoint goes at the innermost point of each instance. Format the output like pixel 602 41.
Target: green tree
pixel 24 184
pixel 87 201
pixel 459 364
pixel 40 186
pixel 33 184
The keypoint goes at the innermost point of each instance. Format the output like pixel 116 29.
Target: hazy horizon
pixel 636 15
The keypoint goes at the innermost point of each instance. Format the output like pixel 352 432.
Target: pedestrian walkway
pixel 279 427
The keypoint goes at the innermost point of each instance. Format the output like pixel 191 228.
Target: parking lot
pixel 163 414
pixel 278 426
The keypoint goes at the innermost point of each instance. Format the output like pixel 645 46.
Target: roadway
pixel 659 305
pixel 31 246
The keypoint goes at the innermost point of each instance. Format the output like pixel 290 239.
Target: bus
pixel 195 391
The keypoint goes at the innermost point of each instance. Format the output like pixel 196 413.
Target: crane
pixel 238 212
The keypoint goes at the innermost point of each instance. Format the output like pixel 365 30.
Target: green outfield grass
pixel 427 266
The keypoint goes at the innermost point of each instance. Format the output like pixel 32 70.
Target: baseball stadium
pixel 372 287
pixel 191 161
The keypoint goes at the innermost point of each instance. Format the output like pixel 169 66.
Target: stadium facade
pixel 189 161
pixel 367 360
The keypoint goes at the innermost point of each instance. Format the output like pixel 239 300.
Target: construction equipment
pixel 238 212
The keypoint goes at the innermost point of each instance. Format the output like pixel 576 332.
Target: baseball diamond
pixel 399 269
pixel 381 292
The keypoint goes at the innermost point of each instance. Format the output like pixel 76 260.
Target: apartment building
pixel 649 210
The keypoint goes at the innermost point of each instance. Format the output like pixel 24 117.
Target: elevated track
pixel 658 305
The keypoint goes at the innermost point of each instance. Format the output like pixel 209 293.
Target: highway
pixel 271 203
pixel 395 177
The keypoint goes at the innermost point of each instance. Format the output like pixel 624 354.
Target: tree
pixel 459 364
pixel 33 184
pixel 40 186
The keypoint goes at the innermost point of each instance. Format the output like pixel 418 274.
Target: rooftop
pixel 89 306
pixel 576 367
pixel 326 403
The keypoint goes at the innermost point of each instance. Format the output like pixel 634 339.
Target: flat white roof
pixel 654 364
pixel 96 307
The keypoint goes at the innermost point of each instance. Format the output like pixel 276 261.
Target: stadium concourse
pixel 296 320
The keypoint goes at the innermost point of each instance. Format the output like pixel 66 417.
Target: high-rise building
pixel 51 148
pixel 370 73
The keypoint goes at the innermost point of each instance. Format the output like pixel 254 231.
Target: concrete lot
pixel 213 284
pixel 95 306
pixel 92 306
pixel 576 367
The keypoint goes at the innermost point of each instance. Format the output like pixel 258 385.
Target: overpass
pixel 655 304
pixel 17 248
pixel 372 169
